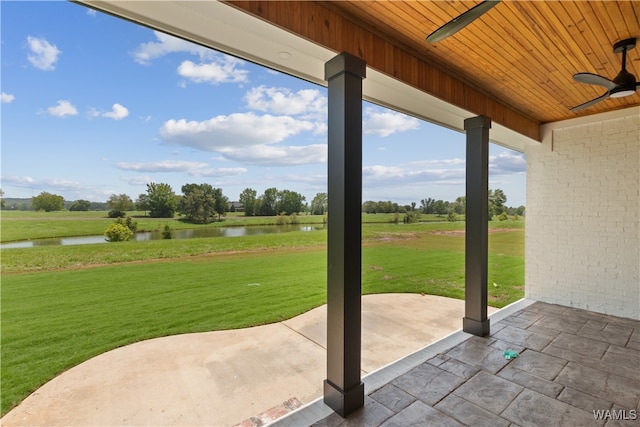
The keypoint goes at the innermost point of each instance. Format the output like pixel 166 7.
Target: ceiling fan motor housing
pixel 623 45
pixel 625 81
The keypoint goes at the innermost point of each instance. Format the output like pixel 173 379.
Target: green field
pixel 63 305
pixel 25 225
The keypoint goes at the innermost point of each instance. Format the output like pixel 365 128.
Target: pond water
pixel 177 234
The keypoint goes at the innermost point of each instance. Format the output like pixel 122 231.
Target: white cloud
pixel 162 166
pixel 92 12
pixel 507 163
pixel 246 137
pixel 305 102
pixel 117 112
pixel 18 181
pixel 63 108
pixel 438 164
pixel 62 184
pixel 213 67
pixel 50 184
pixel 277 155
pixel 181 166
pixel 44 55
pixel 222 69
pixel 137 180
pixel 385 123
pixel 234 130
pixel 434 178
pixel 164 45
pixel 6 98
pixel 429 171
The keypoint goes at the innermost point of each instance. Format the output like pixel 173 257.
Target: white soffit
pixel 224 28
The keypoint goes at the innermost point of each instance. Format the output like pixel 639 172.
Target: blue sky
pixel 93 105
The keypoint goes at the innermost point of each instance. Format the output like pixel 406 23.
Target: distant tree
pixel 47 202
pixel 383 206
pixel 162 200
pixel 289 202
pixel 98 206
pixel 80 205
pixel 426 206
pixel 221 204
pixel 198 203
pixel 142 203
pixel 248 200
pixel 520 210
pixel 497 199
pixel 440 207
pixel 387 206
pixel 319 204
pixel 119 204
pixel 1 198
pixel 460 205
pixel 268 202
pixel 369 207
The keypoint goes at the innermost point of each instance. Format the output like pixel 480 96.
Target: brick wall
pixel 583 214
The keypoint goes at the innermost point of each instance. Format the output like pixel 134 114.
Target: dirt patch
pixel 461 233
pixel 390 237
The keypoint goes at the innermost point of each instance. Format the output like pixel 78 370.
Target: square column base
pixel 479 328
pixel 343 402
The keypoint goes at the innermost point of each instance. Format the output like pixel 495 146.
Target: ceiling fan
pixel 624 84
pixel 458 23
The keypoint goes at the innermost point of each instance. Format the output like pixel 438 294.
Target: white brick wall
pixel 583 214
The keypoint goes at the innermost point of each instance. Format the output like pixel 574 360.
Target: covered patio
pixel 506 78
pixel 574 367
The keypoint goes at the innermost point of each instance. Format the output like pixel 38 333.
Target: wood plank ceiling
pixel 522 54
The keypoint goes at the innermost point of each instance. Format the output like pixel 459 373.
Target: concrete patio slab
pixel 225 377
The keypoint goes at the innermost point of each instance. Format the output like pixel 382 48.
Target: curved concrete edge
pixel 224 377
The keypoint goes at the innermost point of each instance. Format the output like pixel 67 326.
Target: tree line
pixel 497 206
pixel 202 203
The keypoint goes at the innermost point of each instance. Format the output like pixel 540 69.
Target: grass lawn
pixel 53 321
pixel 63 305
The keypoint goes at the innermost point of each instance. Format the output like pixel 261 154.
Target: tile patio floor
pixel 571 362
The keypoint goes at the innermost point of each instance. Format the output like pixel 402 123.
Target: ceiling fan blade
pixel 590 103
pixel 594 79
pixel 461 21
